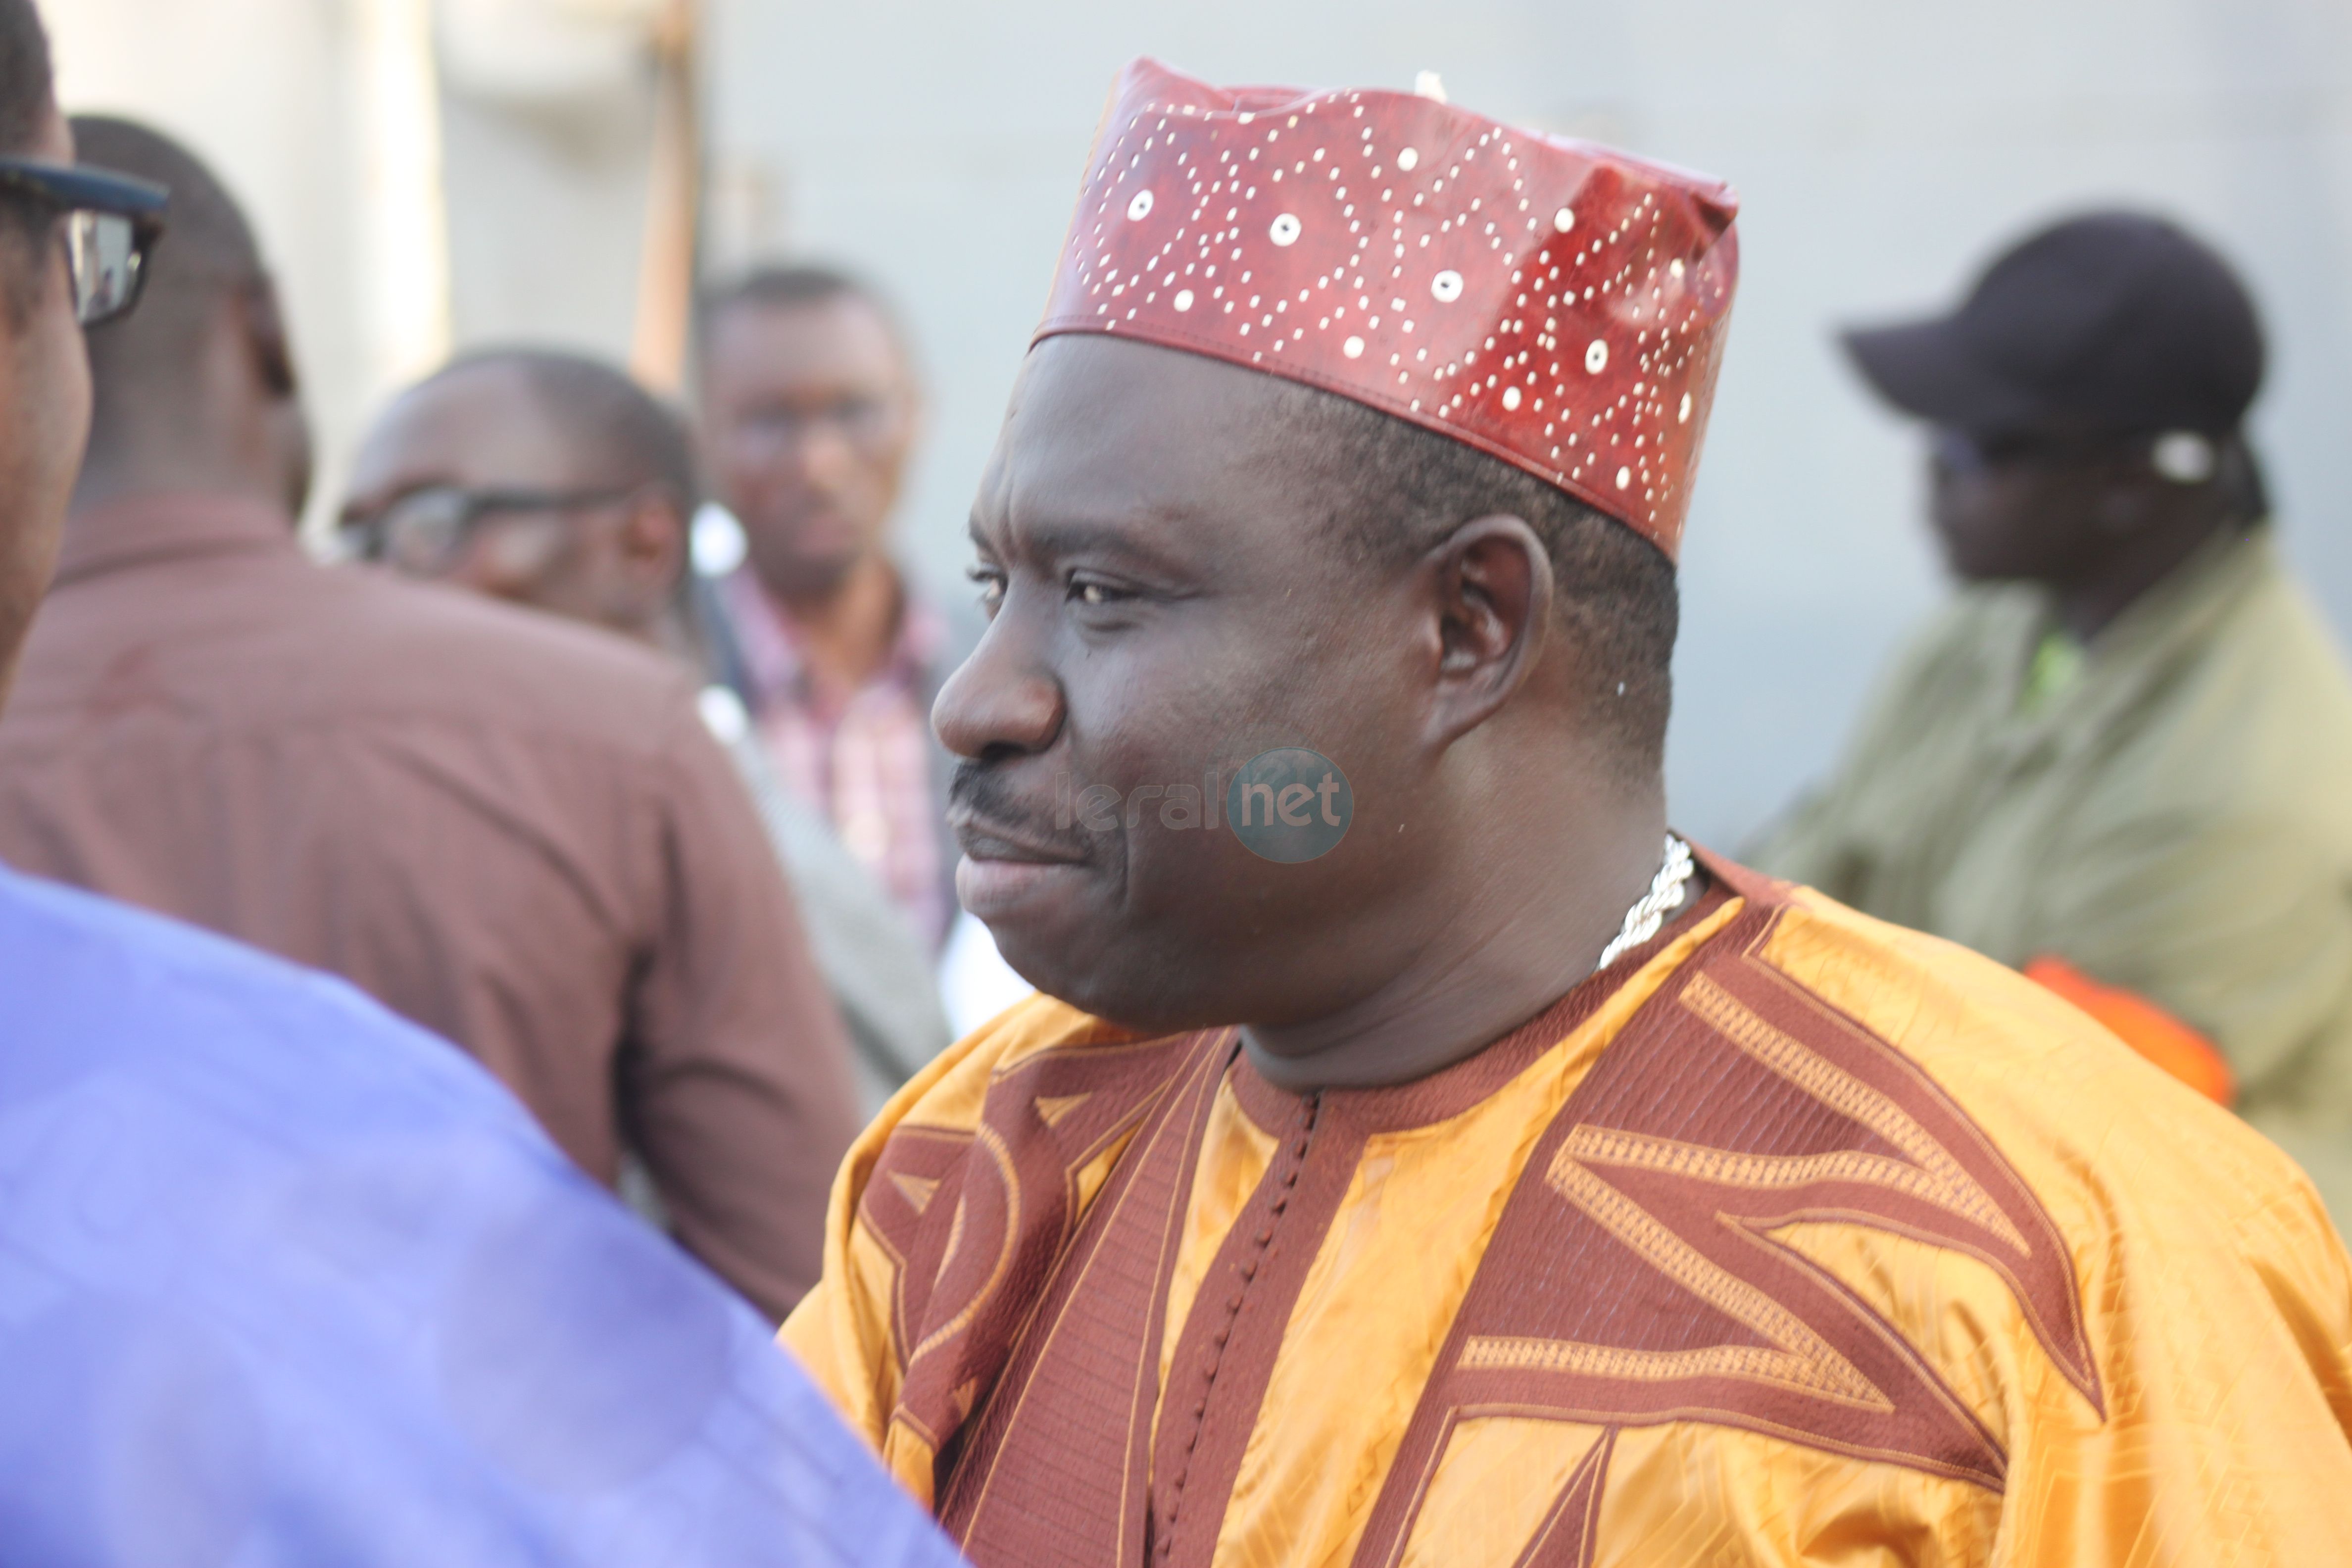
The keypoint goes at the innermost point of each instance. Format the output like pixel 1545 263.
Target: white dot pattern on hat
pixel 1555 304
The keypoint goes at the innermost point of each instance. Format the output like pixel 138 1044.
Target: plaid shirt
pixel 864 759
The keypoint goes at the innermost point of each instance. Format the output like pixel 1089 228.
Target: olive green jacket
pixel 2177 821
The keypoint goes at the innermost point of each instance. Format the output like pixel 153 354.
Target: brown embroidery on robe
pixel 1569 1532
pixel 976 1220
pixel 1631 1281
pixel 1054 1471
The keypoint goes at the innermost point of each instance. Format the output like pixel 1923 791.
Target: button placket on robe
pixel 1281 1178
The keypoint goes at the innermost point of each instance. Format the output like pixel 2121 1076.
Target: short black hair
pixel 784 286
pixel 1397 489
pixel 635 437
pixel 27 89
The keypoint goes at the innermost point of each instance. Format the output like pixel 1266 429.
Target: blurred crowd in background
pixel 430 174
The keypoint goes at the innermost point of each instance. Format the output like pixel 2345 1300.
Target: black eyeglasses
pixel 111 222
pixel 423 531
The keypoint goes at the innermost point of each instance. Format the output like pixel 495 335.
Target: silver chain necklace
pixel 1649 910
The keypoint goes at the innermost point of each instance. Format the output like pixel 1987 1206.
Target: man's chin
pixel 1124 978
pixel 1048 925
pixel 802 577
pixel 1972 558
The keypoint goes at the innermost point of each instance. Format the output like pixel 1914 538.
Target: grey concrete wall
pixel 539 115
pixel 271 93
pixel 1881 149
pixel 547 134
pixel 546 215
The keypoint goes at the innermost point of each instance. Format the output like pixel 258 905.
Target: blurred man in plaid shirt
pixel 809 413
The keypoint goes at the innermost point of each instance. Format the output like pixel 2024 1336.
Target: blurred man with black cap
pixel 2121 759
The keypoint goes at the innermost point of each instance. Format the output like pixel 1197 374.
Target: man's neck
pixel 2090 602
pixel 845 637
pixel 104 483
pixel 1528 922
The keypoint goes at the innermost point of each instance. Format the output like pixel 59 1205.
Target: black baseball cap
pixel 2111 320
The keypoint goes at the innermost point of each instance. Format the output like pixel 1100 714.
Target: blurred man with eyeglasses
pixel 808 414
pixel 515 832
pixel 2121 760
pixel 550 479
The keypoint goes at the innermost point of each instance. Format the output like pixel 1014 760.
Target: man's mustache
pixel 981 800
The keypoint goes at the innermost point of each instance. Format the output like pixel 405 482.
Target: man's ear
pixel 1488 589
pixel 918 414
pixel 265 332
pixel 251 347
pixel 653 536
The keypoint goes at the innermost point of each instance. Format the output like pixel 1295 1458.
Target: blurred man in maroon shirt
pixel 515 832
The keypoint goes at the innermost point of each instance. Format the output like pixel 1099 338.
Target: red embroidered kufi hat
pixel 1555 304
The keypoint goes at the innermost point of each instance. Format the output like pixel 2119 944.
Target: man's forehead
pixel 785 335
pixel 1134 406
pixel 1116 444
pixel 479 423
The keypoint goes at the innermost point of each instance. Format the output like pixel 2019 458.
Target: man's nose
pixel 1002 698
pixel 822 455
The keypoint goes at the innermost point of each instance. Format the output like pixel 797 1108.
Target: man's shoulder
pixel 389 654
pixel 355 1253
pixel 952 1090
pixel 2083 1119
pixel 274 642
pixel 88 983
pixel 449 647
pixel 1042 1093
pixel 2266 691
pixel 51 927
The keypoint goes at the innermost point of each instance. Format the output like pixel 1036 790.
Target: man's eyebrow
pixel 1079 535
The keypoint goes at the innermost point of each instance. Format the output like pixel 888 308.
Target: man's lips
pixel 988 841
pixel 1002 870
pixel 821 524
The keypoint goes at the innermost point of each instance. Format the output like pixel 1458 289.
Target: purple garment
pixel 286 1280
